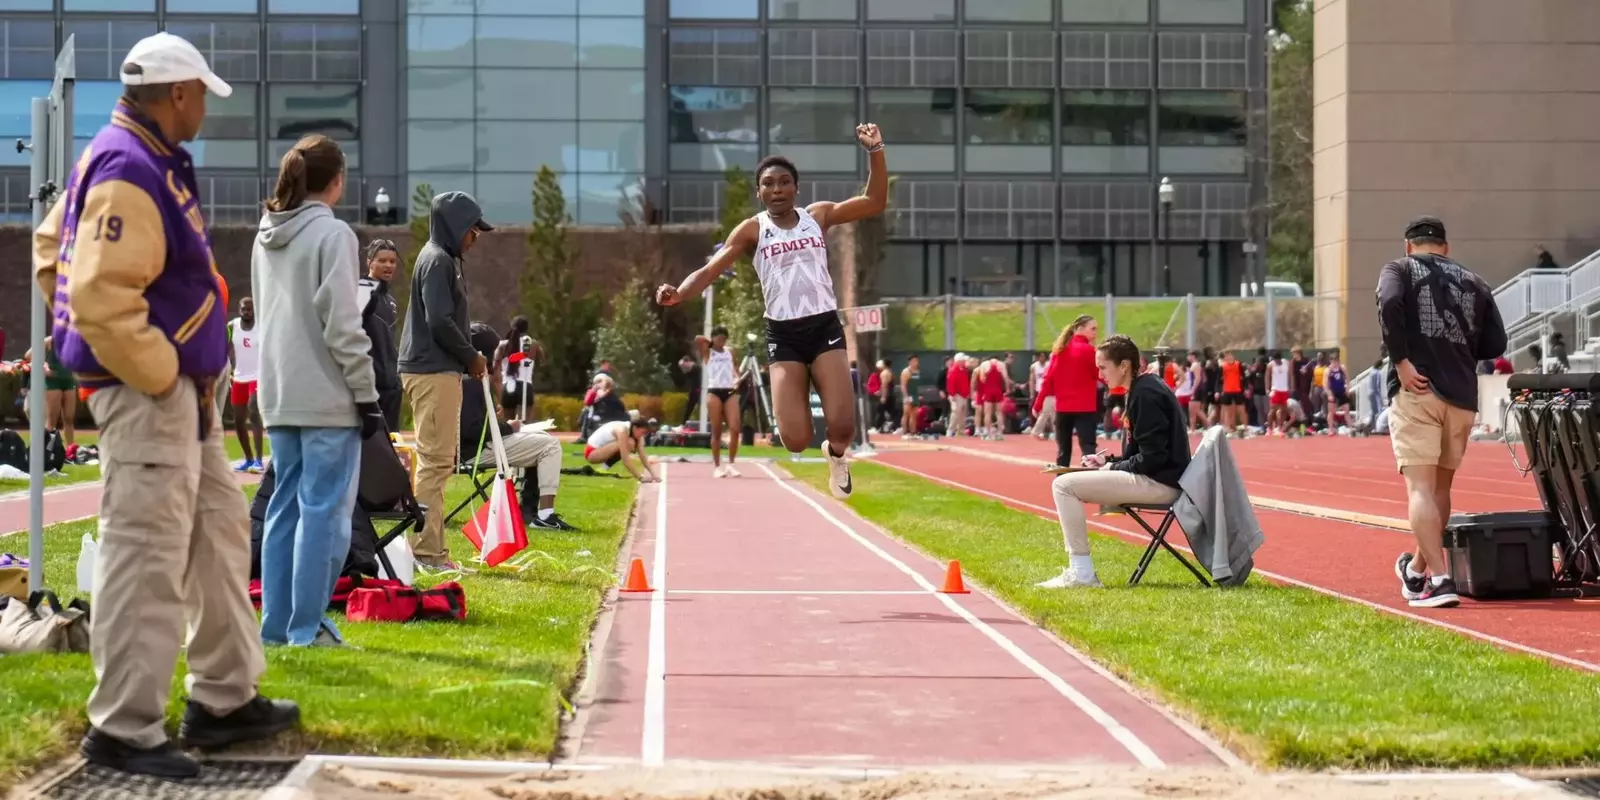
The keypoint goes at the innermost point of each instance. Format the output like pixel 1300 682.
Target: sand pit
pixel 339 782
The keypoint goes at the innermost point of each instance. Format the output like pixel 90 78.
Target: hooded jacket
pixel 436 336
pixel 379 313
pixel 315 365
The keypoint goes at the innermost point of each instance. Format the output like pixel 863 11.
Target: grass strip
pixel 492 686
pixel 1285 676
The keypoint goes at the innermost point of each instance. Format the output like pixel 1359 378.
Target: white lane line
pixel 653 749
pixel 800 592
pixel 1137 536
pixel 1125 737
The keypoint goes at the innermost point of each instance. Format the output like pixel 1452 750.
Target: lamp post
pixel 1165 193
pixel 382 205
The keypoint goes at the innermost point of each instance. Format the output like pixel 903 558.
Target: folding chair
pixel 1158 538
pixel 482 482
pixel 384 492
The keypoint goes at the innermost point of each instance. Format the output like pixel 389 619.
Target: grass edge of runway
pixel 1284 676
pixel 492 686
pixel 75 473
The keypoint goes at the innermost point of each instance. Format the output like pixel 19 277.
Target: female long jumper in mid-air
pixel 804 336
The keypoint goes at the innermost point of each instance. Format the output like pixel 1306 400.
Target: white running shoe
pixel 731 472
pixel 838 473
pixel 719 472
pixel 1071 580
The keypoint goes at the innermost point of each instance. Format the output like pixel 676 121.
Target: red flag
pixel 497 530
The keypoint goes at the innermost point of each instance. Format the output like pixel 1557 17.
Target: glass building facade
pixel 1028 137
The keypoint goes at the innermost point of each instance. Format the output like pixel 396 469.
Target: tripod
pixel 751 368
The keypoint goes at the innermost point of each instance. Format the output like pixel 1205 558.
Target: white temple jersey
pixel 793 268
pixel 719 369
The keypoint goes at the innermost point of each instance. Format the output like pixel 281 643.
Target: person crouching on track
pixel 1154 457
pixel 615 441
pixel 722 399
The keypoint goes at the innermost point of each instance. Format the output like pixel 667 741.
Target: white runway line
pixel 1050 513
pixel 1125 737
pixel 652 750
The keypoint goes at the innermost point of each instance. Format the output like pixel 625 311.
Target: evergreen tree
pixel 738 303
pixel 417 229
pixel 557 316
pixel 632 340
pixel 1289 244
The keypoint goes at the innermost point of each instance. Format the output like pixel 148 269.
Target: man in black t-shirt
pixel 1438 321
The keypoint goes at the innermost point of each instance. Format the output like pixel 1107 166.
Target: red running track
pixel 1351 561
pixel 785 632
pixel 65 504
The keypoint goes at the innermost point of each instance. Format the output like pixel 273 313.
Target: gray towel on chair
pixel 1215 512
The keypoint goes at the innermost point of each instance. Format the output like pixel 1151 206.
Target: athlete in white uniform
pixel 805 340
pixel 1278 408
pixel 244 350
pixel 722 398
pixel 615 441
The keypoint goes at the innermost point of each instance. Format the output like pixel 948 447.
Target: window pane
pixel 811 9
pixel 234 116
pixel 26 5
pixel 611 94
pixel 109 5
pixel 603 198
pixel 714 9
pixel 811 116
pixel 102 44
pixel 911 9
pixel 314 51
pixel 611 8
pixel 610 146
pixel 1112 11
pixel 1105 118
pixel 233 49
pixel 712 114
pixel 527 41
pixel 1007 116
pixel 524 7
pixel 457 7
pixel 507 197
pixel 437 183
pixel 295 111
pixel 1009 11
pixel 1209 119
pixel 29 49
pixel 439 146
pixel 276 149
pixel 212 6
pixel 914 116
pixel 439 41
pixel 92 103
pixel 527 94
pixel 225 153
pixel 15 116
pixel 314 6
pixel 439 94
pixel 1202 12
pixel 526 146
pixel 611 43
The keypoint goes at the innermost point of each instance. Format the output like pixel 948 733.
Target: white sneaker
pixel 719 472
pixel 1071 580
pixel 838 473
pixel 731 472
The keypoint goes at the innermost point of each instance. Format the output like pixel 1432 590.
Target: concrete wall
pixel 1485 113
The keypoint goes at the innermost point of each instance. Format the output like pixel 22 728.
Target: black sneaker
pixel 162 761
pixel 256 720
pixel 553 523
pixel 1410 588
pixel 1438 595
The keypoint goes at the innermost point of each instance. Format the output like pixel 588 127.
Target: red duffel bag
pixel 447 601
pixel 383 604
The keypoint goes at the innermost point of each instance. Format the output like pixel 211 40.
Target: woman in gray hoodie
pixel 316 390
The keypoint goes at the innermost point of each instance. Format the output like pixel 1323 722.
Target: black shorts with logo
pixel 804 338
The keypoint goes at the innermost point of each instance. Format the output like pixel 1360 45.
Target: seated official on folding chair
pixel 1145 478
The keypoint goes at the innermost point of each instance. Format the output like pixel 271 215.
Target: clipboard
pixel 1053 469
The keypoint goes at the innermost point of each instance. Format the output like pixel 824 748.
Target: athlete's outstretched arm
pixel 740 243
pixel 876 199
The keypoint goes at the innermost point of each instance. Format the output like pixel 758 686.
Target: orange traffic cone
pixel 637 582
pixel 952 579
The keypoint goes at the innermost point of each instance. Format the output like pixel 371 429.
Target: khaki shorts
pixel 1428 432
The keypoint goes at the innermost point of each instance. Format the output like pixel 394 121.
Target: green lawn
pixel 492 686
pixel 1287 676
pixel 74 473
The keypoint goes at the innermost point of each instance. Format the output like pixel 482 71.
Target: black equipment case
pixel 1502 554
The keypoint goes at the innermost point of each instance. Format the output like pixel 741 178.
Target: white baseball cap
pixel 165 58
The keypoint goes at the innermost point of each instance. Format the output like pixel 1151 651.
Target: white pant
pixel 1106 487
pixel 533 450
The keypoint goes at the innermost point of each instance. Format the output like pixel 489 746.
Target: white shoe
pixel 719 472
pixel 838 473
pixel 731 472
pixel 1071 580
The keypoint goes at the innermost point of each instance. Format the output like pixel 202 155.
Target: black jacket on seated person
pixel 1157 441
pixel 473 412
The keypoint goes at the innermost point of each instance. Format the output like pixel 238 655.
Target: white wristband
pixel 875 148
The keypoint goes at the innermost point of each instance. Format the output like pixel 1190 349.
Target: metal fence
pixel 1033 323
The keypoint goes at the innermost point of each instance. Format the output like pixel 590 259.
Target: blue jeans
pixel 306 538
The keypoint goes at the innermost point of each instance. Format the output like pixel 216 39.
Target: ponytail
pixel 291 191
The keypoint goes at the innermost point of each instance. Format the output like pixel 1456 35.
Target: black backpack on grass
pixel 13 450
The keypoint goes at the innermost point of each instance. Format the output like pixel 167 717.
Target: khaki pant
pixel 1047 417
pixel 436 413
pixel 1106 487
pixel 959 406
pixel 1425 431
pixel 174 548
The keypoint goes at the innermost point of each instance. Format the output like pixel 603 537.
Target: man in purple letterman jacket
pixel 125 258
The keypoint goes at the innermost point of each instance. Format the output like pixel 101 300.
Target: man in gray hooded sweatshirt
pixel 435 349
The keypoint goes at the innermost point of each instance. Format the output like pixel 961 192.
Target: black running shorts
pixel 805 338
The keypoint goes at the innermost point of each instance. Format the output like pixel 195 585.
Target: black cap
pixel 482 225
pixel 1425 226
